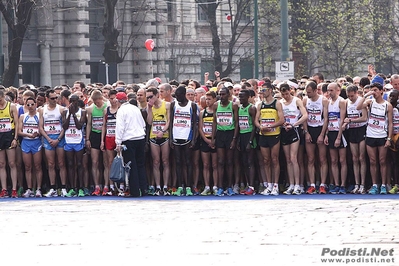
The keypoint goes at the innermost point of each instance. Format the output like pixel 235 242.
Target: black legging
pixel 183 155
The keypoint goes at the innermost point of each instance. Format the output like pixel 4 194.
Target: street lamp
pixel 106 71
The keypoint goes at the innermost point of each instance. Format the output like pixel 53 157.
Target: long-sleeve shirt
pixel 130 124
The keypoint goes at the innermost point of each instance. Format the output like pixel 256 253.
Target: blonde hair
pixel 96 94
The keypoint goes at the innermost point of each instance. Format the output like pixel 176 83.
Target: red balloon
pixel 149 44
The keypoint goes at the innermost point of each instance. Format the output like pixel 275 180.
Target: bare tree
pixel 17 14
pixel 239 25
pixel 116 48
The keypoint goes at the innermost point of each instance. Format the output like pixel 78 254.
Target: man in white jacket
pixel 130 131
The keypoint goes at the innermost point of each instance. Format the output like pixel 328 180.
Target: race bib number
pixel 97 123
pixel 158 126
pixel 52 127
pixel 111 126
pixel 224 118
pixel 5 125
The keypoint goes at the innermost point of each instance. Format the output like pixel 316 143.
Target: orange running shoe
pixel 311 190
pixel 322 190
pixel 106 192
pixel 96 192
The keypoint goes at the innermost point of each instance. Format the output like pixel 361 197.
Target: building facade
pixel 64 42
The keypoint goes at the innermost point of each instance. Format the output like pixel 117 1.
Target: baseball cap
pixel 378 79
pixel 121 96
pixel 228 84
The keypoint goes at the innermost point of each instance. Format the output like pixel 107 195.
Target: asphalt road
pixel 238 230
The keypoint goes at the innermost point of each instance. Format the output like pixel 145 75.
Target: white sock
pixel 207 187
pixel 313 185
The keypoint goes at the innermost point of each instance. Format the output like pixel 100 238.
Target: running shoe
pixel 4 193
pixel 261 188
pixel 81 193
pixel 63 192
pixel 342 190
pixel 322 190
pixel 178 192
pixel 383 190
pixel 311 190
pixel 275 191
pixel 331 187
pixel 362 190
pixel 302 189
pixel 289 190
pixel 355 190
pixel 196 191
pixel 206 192
pixel 86 191
pixel 96 192
pixel 166 192
pixel 215 191
pixel 266 192
pixel 220 192
pixel 157 192
pixel 373 190
pixel 106 192
pixel 335 190
pixel 393 190
pixel 230 192
pixel 51 193
pixel 20 191
pixel 38 193
pixel 243 190
pixel 28 193
pixel 151 191
pixel 126 193
pixel 250 191
pixel 71 193
pixel 297 191
pixel 189 192
pixel 14 194
pixel 236 189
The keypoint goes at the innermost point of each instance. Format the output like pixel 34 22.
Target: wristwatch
pixel 389 139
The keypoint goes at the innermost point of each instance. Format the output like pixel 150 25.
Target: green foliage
pixel 341 37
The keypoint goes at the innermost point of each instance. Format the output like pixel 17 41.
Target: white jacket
pixel 130 124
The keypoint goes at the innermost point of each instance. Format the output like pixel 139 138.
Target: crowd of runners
pixel 297 136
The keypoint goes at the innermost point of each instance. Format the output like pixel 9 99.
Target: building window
pixel 202 16
pixel 170 11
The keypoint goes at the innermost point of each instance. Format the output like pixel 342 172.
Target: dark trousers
pixel 135 154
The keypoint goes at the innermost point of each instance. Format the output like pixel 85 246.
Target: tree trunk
pixel 18 25
pixel 14 57
pixel 211 12
pixel 110 33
